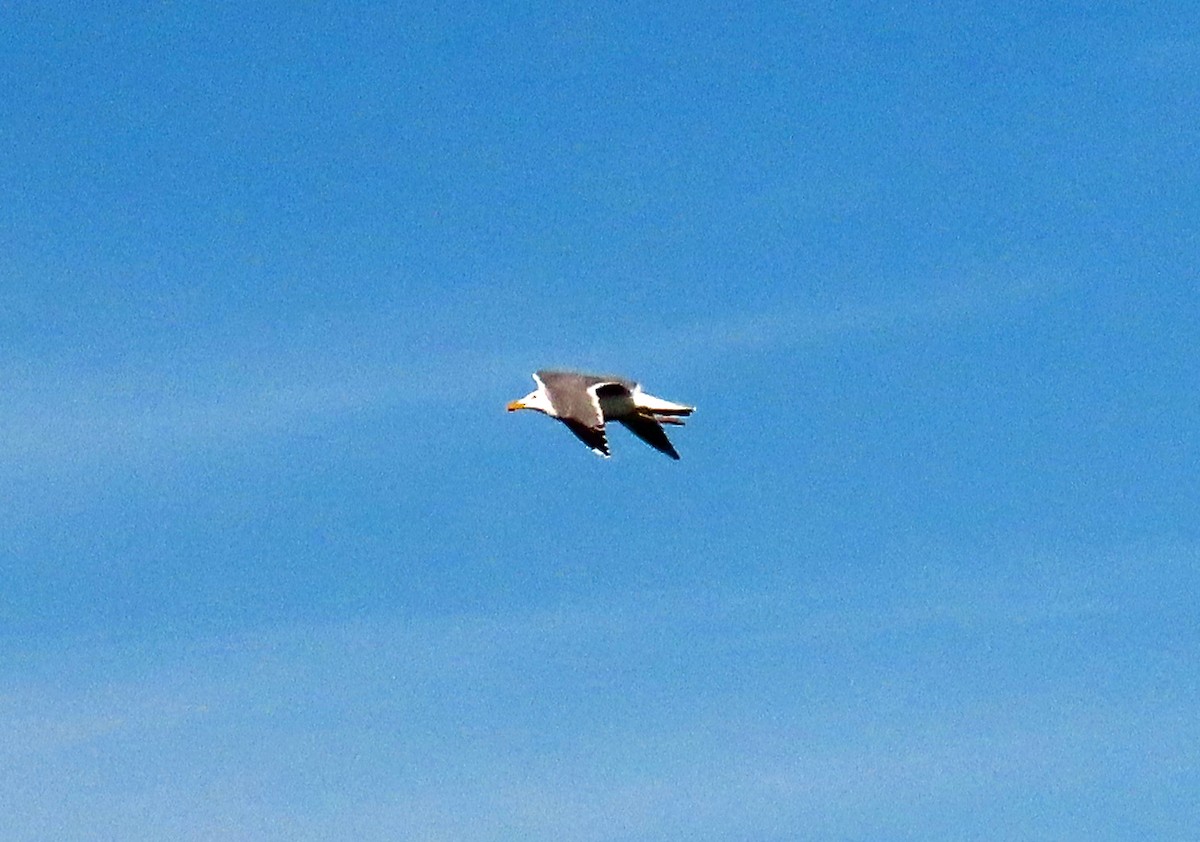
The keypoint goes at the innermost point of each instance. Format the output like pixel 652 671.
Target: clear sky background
pixel 276 565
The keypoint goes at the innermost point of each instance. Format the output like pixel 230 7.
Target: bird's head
pixel 535 400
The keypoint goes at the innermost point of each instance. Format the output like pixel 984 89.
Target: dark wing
pixel 570 397
pixel 614 399
pixel 649 431
pixel 612 389
pixel 593 437
pixel 581 379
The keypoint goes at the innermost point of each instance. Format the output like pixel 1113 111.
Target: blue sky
pixel 276 565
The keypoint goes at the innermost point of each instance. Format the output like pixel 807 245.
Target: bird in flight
pixel 584 402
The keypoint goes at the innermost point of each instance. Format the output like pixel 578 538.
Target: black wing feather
pixel 649 431
pixel 593 437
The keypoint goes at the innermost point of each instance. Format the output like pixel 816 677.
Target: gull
pixel 585 401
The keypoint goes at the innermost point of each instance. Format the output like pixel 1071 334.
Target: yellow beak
pixel 515 405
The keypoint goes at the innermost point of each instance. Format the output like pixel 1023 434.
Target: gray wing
pixel 575 396
pixel 649 431
pixel 584 379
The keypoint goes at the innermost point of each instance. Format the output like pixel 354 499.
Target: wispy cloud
pixel 710 713
pixel 58 414
pixel 63 414
pixel 806 326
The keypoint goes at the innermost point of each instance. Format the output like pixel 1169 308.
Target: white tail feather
pixel 657 406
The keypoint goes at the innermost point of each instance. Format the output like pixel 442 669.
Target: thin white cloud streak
pixel 74 419
pixel 57 414
pixel 554 725
pixel 790 327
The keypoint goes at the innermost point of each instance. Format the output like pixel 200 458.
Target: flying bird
pixel 585 401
